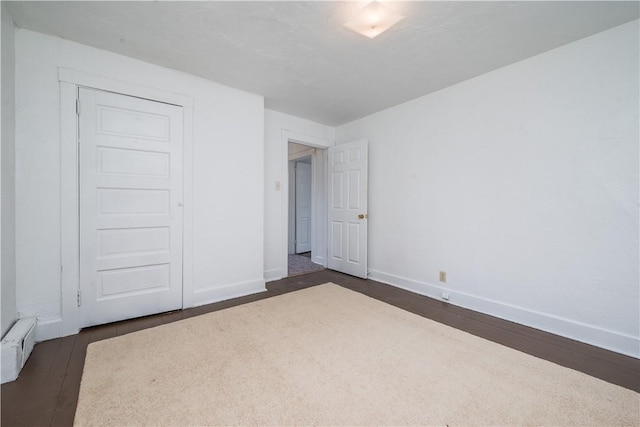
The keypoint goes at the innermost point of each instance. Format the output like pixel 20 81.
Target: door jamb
pixel 310 141
pixel 70 81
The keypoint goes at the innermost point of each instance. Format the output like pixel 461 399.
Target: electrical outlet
pixel 443 276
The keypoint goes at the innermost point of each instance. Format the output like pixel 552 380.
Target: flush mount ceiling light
pixel 373 19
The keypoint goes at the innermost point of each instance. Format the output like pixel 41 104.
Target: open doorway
pixel 301 215
pixel 339 202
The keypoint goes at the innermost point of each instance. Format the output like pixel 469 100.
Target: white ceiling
pixel 304 62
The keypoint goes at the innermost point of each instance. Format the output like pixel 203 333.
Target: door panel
pixel 131 123
pixel 348 208
pixel 120 241
pixel 131 281
pixel 118 161
pixel 303 207
pixel 354 242
pixel 130 154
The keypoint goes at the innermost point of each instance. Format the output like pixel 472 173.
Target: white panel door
pixel 130 152
pixel 347 180
pixel 303 207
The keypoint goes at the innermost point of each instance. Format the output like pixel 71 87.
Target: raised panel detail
pixel 133 241
pixel 127 201
pixel 354 246
pixel 127 281
pixel 116 161
pixel 302 236
pixel 336 239
pixel 336 190
pixel 354 189
pixel 132 124
pixel 337 158
pixel 354 154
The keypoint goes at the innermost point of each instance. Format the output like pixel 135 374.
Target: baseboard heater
pixel 16 347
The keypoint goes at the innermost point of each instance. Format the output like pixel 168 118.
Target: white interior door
pixel 130 153
pixel 347 245
pixel 303 207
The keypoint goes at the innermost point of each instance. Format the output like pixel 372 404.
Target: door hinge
pixel 78 107
pixel 79 300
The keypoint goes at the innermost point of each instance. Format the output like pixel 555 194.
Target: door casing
pixel 318 225
pixel 70 80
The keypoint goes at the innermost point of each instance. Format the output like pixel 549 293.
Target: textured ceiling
pixel 304 62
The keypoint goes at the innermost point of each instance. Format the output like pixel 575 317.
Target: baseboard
pixel 273 274
pixel 589 334
pixel 319 260
pixel 48 328
pixel 52 327
pixel 220 293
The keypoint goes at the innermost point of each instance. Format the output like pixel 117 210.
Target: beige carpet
pixel 327 355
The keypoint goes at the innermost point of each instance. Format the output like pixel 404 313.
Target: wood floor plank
pixel 46 393
pixel 134 325
pixel 59 368
pixel 38 389
pixel 41 359
pixel 68 397
pixel 31 405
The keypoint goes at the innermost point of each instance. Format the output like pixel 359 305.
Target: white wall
pixel 227 172
pixel 8 170
pixel 521 184
pixel 276 127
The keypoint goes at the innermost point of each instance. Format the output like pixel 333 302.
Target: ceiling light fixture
pixel 373 19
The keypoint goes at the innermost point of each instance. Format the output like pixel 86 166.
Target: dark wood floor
pixel 46 392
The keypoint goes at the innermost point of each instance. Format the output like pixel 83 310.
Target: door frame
pixel 317 160
pixel 70 81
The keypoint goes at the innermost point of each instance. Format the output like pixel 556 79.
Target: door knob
pixel 362 216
